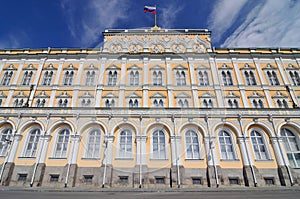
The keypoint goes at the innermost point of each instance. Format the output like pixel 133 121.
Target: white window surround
pixel 95 154
pixel 55 140
pixel 291 143
pixel 163 156
pixel 265 142
pixel 200 157
pixel 125 155
pixel 233 144
pixel 27 139
pixel 7 131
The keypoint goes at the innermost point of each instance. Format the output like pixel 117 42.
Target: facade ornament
pixel 156 48
pixel 116 48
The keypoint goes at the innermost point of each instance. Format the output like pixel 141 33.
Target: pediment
pixel 207 95
pixel 20 94
pixel 157 95
pixel 64 94
pixel 29 67
pixel 133 95
pixel 86 94
pixel 10 67
pixel 255 94
pixel 70 67
pixel 42 94
pixel 110 95
pixel 183 95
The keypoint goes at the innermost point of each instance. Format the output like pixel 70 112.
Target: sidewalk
pixel 99 189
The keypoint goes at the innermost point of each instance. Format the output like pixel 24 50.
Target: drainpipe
pixel 40 153
pixel 10 142
pixel 176 153
pixel 281 151
pixel 247 152
pixel 71 154
pixel 105 154
pixel 211 151
pixel 141 172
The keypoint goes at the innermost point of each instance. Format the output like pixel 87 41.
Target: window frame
pixel 163 156
pixel 292 152
pixel 232 144
pixel 95 154
pixel 264 143
pixel 196 132
pixel 125 154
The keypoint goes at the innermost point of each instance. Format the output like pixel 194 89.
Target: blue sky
pixel 80 23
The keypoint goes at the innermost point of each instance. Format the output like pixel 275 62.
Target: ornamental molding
pixel 255 94
pixel 42 94
pixel 20 94
pixel 182 95
pixel 157 95
pixel 70 67
pixel 29 67
pixel 207 95
pixel 86 95
pixel 10 67
pixel 155 43
pixel 110 95
pixel 64 94
pixel 50 67
pixel 133 95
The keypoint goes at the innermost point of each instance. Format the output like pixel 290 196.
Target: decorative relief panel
pixel 155 43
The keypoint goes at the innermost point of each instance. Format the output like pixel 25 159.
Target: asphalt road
pixel 265 194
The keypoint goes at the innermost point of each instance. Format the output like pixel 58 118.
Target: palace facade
pixel 150 108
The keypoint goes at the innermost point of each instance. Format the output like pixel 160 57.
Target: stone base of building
pixel 144 177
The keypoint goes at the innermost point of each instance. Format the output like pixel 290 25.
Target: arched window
pixel 247 76
pixel 62 142
pixel 47 78
pixel 226 146
pixel 227 79
pixel 255 104
pixel 32 143
pixel 5 136
pixel 192 145
pixel 158 145
pixel 157 78
pixel 134 78
pixel 6 78
pixel 68 78
pixel 292 147
pixel 126 142
pixel 40 102
pixel 178 78
pixel 63 103
pixel 259 146
pixel 19 103
pixel 273 78
pixel 114 78
pixel 90 78
pixel 261 104
pixel 93 144
pixel 252 78
pixel 27 77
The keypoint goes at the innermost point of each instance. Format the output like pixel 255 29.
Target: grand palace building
pixel 150 108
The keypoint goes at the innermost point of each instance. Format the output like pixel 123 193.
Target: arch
pixel 3 122
pixel 29 124
pixel 262 126
pixel 287 124
pixel 229 126
pixel 57 123
pixel 158 123
pixel 87 125
pixel 122 124
pixel 195 125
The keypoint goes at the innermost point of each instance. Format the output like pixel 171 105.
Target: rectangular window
pixel 88 179
pixel 22 177
pixel 196 180
pixel 159 180
pixel 54 178
pixel 269 181
pixel 123 179
pixel 233 181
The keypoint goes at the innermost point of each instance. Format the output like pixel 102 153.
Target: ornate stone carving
pixel 198 48
pixel 135 48
pixel 115 48
pixel 178 48
pixel 156 48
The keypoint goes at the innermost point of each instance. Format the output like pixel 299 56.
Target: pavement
pixel 99 189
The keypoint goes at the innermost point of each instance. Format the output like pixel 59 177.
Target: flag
pixel 151 9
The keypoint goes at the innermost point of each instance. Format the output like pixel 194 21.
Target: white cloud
pixel 269 23
pixel 87 21
pixel 276 24
pixel 14 40
pixel 169 14
pixel 224 15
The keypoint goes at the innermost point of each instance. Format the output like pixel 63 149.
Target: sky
pixel 80 23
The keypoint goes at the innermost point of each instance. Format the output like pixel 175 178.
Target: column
pixel 59 70
pixel 79 74
pixel 75 140
pixel 45 139
pixel 176 150
pixel 20 68
pixel 141 157
pixel 193 83
pixel 216 82
pixel 277 152
pixel 109 150
pixel 241 141
pixel 146 82
pixel 14 147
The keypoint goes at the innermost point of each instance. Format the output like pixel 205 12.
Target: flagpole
pixel 155 17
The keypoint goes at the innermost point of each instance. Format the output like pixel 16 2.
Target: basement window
pixel 22 177
pixel 269 181
pixel 54 178
pixel 123 179
pixel 196 180
pixel 159 180
pixel 88 179
pixel 234 181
